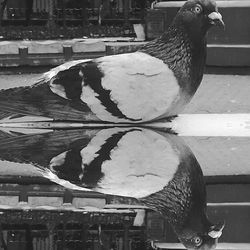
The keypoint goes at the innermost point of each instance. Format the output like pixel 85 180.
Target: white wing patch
pixel 142 163
pixel 89 96
pixel 46 173
pixel 143 87
pixel 89 153
pixel 49 76
pixel 53 72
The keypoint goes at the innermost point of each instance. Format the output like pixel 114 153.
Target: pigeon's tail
pixel 39 100
pixel 20 101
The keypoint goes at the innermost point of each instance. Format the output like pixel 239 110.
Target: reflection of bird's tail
pixel 39 100
pixel 48 174
pixel 21 101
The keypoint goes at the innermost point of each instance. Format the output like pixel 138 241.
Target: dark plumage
pixel 156 168
pixel 152 83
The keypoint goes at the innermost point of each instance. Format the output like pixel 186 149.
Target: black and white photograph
pixel 124 124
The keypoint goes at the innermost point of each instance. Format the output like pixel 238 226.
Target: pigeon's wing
pixel 132 162
pixel 131 87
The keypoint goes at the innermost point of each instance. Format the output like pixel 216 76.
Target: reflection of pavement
pixel 221 155
pixel 217 94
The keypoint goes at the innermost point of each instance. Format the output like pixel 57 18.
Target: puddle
pixel 83 156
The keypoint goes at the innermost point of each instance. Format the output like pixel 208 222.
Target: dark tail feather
pixel 39 149
pixel 39 100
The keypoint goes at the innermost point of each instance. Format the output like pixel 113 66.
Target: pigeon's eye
pixel 198 9
pixel 197 241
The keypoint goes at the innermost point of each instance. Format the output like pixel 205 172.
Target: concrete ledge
pixel 51 46
pixel 42 53
pixel 49 52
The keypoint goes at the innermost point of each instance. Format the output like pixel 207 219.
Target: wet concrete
pixel 217 94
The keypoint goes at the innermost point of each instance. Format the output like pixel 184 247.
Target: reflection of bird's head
pixel 192 226
pixel 197 16
pixel 204 238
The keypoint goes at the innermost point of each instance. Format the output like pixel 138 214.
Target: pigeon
pixel 154 82
pixel 156 169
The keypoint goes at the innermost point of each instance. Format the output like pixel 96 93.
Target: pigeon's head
pixel 207 240
pixel 197 16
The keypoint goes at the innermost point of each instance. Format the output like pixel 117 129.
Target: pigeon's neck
pixel 183 201
pixel 173 202
pixel 184 55
pixel 173 47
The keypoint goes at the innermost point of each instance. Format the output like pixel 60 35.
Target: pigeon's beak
pixel 215 18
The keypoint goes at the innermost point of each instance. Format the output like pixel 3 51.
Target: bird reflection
pixel 156 168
